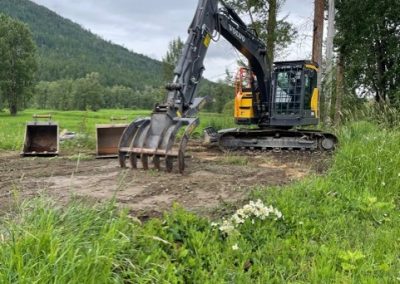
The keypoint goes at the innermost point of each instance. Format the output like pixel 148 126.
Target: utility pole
pixel 329 60
pixel 271 29
pixel 317 41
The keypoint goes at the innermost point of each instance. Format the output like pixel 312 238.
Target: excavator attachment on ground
pixel 108 137
pixel 41 137
pixel 159 138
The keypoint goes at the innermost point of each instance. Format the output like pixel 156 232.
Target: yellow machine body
pixel 244 111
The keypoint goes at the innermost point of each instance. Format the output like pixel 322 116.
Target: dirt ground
pixel 212 178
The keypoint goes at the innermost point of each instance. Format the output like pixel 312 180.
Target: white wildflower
pixel 227 227
pixel 236 219
pixel 235 247
pixel 252 210
pixel 383 183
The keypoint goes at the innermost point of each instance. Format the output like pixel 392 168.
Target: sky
pixel 147 27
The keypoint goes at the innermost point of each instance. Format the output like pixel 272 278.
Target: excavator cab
pixel 294 98
pixel 294 94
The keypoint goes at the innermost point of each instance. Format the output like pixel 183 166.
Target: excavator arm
pixel 161 135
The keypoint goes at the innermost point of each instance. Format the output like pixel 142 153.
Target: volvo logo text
pixel 237 33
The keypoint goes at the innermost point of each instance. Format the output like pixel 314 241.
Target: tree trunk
pixel 271 29
pixel 13 108
pixel 339 90
pixel 317 42
pixel 329 61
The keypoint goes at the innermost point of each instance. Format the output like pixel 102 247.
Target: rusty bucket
pixel 41 137
pixel 108 136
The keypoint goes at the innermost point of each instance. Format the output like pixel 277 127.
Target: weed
pixel 232 159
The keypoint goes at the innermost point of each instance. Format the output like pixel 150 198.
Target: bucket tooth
pixel 133 160
pixel 156 162
pixel 169 164
pixel 145 161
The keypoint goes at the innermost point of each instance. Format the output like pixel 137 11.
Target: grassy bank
pixel 343 227
pixel 12 129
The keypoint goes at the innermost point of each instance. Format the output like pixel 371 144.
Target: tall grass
pixel 42 243
pixel 379 113
pixel 342 227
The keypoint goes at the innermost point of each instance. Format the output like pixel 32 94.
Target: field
pixel 74 219
pixel 12 128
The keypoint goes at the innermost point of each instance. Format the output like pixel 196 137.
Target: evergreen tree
pixel 171 58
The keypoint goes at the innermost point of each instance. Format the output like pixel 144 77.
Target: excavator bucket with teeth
pixel 157 138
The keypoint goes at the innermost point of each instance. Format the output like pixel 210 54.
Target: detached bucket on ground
pixel 107 138
pixel 41 137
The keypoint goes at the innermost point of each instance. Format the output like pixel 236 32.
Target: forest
pixel 79 70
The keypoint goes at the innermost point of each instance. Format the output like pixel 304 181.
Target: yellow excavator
pixel 277 99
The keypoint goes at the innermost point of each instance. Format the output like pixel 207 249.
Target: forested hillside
pixel 67 51
pixel 80 70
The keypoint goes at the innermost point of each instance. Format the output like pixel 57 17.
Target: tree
pixel 18 61
pixel 277 34
pixel 318 34
pixel 88 92
pixel 171 58
pixel 368 40
pixel 329 74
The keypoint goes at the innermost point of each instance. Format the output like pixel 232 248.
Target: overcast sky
pixel 147 27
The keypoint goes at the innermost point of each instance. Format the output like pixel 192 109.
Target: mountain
pixel 66 50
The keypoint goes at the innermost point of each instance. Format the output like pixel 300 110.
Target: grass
pixel 234 159
pixel 343 227
pixel 12 129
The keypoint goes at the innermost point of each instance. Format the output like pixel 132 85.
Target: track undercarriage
pixel 271 139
